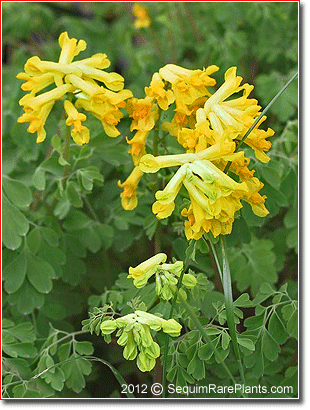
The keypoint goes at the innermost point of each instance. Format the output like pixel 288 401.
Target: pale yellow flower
pixel 236 114
pixel 37 119
pixel 188 85
pixel 129 195
pixel 69 48
pixel 144 113
pixel 79 133
pixel 157 90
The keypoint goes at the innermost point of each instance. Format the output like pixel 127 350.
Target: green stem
pixel 260 116
pixel 215 258
pixel 230 307
pixel 66 155
pixel 166 345
pixel 157 235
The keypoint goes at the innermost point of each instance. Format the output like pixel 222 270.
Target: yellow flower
pixel 188 85
pixel 142 17
pixel 157 90
pixel 137 143
pixel 129 195
pixel 257 141
pixel 38 108
pixel 69 48
pixel 144 113
pixel 79 133
pixel 256 200
pixel 236 114
pixel 147 266
pixel 107 111
pixel 37 119
pixel 35 84
pixel 78 78
pixel 151 164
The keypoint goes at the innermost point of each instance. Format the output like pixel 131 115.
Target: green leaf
pixel 38 179
pixel 17 192
pixel 270 347
pixel 56 379
pixel 245 342
pixel 77 220
pixel 23 332
pixel 14 225
pixel 292 325
pixel 14 274
pixel 277 329
pixel 39 273
pixel 26 350
pixel 64 351
pixel 73 194
pixel 84 348
pixel 62 208
pixel 34 240
pixel 74 371
pixel 243 301
pixel 26 298
pixel 253 264
pixel 51 236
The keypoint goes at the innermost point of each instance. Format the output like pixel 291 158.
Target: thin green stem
pixel 179 284
pixel 157 234
pixel 66 155
pixel 215 258
pixel 230 307
pixel 260 116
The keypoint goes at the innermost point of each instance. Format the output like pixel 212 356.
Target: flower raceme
pixel 134 332
pixel 75 79
pixel 171 84
pixel 208 126
pixel 166 276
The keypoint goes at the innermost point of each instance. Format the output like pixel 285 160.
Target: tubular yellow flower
pixel 35 84
pixel 129 195
pixel 37 119
pixel 236 114
pixel 147 266
pixel 257 141
pixel 34 103
pixel 142 18
pixel 69 48
pixel 137 143
pixel 256 200
pixel 79 133
pixel 144 113
pixel 151 164
pixel 188 85
pixel 156 90
pixel 99 60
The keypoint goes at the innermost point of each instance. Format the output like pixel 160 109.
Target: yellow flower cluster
pixel 76 79
pixel 208 126
pixel 187 87
pixel 134 332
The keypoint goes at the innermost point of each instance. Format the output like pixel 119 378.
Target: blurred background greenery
pixel 260 38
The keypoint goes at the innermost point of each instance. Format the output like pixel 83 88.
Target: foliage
pixel 68 243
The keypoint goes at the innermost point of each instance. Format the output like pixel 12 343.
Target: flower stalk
pixel 226 280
